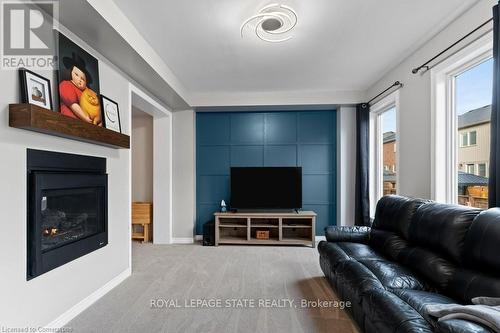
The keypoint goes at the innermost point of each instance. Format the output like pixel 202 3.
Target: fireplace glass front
pixel 69 215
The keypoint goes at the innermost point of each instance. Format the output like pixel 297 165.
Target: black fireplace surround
pixel 67 208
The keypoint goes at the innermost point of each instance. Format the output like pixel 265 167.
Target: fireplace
pixel 67 208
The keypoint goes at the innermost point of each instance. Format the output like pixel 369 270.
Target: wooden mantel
pixel 34 118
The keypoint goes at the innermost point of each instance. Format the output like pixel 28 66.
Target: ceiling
pixel 339 47
pixel 103 38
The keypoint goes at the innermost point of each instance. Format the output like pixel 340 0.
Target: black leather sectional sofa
pixel 416 253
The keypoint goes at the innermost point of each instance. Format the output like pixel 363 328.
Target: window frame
pixel 376 147
pixel 444 145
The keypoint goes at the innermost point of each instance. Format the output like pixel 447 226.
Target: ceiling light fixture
pixel 272 22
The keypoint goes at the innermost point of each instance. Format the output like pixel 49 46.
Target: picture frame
pixel 35 89
pixel 78 82
pixel 110 114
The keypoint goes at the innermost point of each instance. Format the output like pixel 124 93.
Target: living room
pixel 237 166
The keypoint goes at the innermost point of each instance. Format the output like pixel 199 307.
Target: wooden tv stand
pixel 284 228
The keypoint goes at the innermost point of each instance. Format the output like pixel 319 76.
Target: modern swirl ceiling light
pixel 272 23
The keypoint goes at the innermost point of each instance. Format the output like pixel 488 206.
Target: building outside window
pixel 389 151
pixel 473 110
pixel 383 148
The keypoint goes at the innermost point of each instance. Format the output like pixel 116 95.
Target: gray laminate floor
pixel 253 285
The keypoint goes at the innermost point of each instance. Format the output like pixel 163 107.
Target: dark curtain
pixel 494 184
pixel 362 214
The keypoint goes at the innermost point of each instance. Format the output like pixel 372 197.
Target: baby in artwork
pixel 77 99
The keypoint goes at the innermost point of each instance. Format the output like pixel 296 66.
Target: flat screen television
pixel 266 188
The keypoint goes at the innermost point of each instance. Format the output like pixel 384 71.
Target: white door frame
pixel 162 162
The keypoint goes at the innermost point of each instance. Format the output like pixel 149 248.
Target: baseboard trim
pixel 182 240
pixel 198 237
pixel 78 308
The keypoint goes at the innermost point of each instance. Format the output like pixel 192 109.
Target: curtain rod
pixel 395 84
pixel 425 65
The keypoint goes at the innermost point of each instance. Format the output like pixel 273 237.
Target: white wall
pixel 415 102
pixel 163 179
pixel 184 175
pixel 142 156
pixel 46 298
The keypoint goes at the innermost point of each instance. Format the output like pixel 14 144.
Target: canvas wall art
pixel 78 82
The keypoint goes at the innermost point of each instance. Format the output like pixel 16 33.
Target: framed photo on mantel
pixel 111 114
pixel 35 89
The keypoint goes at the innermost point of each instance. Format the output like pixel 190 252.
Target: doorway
pixel 142 175
pixel 151 162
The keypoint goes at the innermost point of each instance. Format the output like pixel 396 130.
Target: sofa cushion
pixel 392 275
pixel 394 213
pixel 338 252
pixel 435 269
pixel 419 300
pixel 388 313
pixel 460 326
pixel 353 282
pixel 482 243
pixel 356 276
pixel 467 284
pixel 333 252
pixel 359 251
pixel 389 243
pixel 442 228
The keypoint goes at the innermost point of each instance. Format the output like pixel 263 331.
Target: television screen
pixel 267 187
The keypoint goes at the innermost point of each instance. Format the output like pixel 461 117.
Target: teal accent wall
pixel 295 138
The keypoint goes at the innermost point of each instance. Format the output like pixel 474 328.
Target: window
pixel 384 155
pixel 473 88
pixel 470 168
pixel 461 111
pixel 472 138
pixel 468 139
pixel 481 169
pixel 464 139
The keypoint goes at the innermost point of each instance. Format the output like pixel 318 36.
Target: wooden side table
pixel 142 216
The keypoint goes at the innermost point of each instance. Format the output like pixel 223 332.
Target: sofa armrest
pixel 348 234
